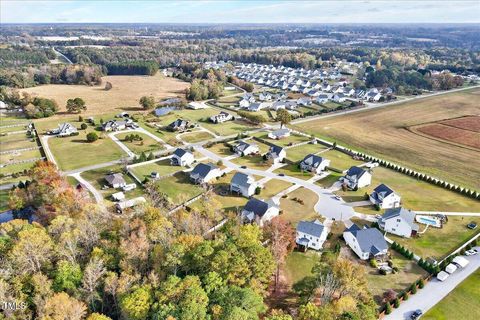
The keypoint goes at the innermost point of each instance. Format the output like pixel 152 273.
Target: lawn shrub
pixel 92 136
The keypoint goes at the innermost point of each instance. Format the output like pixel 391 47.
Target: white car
pixel 471 252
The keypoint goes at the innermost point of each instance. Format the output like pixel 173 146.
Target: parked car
pixel 416 314
pixel 243 167
pixel 281 174
pixel 338 197
pixel 471 252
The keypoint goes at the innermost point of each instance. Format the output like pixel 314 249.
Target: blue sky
pixel 218 11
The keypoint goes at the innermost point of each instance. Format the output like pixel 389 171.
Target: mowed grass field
pixel 461 303
pixel 384 132
pixel 124 96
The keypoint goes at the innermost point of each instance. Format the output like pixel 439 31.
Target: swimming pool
pixel 431 221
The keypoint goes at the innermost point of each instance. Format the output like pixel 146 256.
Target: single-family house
pixel 313 163
pixel 121 206
pixel 265 96
pixel 204 173
pixel 277 105
pixel 276 154
pixel 372 95
pixel 244 104
pixel 357 178
pixel 115 180
pixel 310 234
pixel 256 106
pixel 248 97
pixel 64 130
pixel 243 148
pixel 367 243
pixel 182 157
pixel 221 117
pixel 291 105
pixel 339 97
pixel 348 91
pixel 399 221
pixel 304 101
pixel 293 87
pixel 114 125
pixel 323 98
pixel 384 197
pixel 178 125
pixel 279 134
pixel 326 86
pixel 243 184
pixel 259 211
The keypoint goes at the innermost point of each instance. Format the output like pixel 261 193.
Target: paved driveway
pixel 326 205
pixel 434 291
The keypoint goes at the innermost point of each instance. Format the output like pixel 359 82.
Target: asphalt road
pixel 434 291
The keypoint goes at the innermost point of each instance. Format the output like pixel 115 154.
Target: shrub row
pixel 402 250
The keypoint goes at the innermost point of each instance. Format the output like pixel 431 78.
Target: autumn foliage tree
pixel 281 237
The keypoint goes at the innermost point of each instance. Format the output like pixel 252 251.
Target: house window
pixel 393 229
pixel 398 220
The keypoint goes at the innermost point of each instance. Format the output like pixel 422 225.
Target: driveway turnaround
pixel 434 291
pixel 327 205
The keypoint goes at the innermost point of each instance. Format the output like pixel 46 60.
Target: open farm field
pixel 383 132
pixel 124 95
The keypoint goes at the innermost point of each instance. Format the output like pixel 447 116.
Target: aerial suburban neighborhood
pixel 238 170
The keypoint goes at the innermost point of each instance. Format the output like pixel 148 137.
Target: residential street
pixel 434 291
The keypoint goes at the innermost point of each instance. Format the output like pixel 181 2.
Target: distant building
pixel 204 173
pixel 399 221
pixel 243 184
pixel 311 235
pixel 259 211
pixel 357 178
pixel 179 125
pixel 114 125
pixel 367 243
pixel 279 134
pixel 243 148
pixel 123 205
pixel 384 197
pixel 182 158
pixel 115 180
pixel 221 117
pixel 276 154
pixel 64 130
pixel 313 163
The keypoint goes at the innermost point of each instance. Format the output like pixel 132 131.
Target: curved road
pixel 326 205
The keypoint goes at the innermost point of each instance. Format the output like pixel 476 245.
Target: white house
pixel 118 196
pixel 313 163
pixel 399 221
pixel 372 95
pixel 64 129
pixel 221 117
pixel 339 97
pixel 304 101
pixel 244 104
pixel 182 158
pixel 276 154
pixel 311 234
pixel 115 180
pixel 357 178
pixel 244 149
pixel 265 96
pixel 384 197
pixel 366 243
pixel 243 184
pixel 114 125
pixel 204 173
pixel 259 211
pixel 323 98
pixel 279 134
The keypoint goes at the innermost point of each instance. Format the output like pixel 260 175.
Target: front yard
pixel 147 144
pixel 273 187
pixel 299 205
pixel 162 167
pixel 296 154
pixel 179 188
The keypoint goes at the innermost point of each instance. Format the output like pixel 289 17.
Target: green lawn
pixel 436 242
pixel 299 265
pixel 179 188
pixel 14 168
pixel 97 179
pixel 339 160
pixel 294 171
pixel 17 144
pixel 293 211
pixel 163 168
pixel 293 138
pixel 329 180
pixel 75 152
pixel 12 129
pixel 461 303
pixel 221 150
pixel 408 273
pixel 148 144
pixel 22 155
pixel 298 153
pixel 4 200
pixel 196 136
pixel 272 187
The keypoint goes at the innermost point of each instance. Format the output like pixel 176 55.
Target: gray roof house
pixel 366 243
pixel 221 117
pixel 356 178
pixel 384 197
pixel 314 163
pixel 182 158
pixel 259 211
pixel 243 184
pixel 204 173
pixel 276 154
pixel 178 125
pixel 64 129
pixel 311 234
pixel 115 180
pixel 279 134
pixel 399 221
pixel 243 148
pixel 114 125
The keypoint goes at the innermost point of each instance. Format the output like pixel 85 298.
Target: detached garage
pixel 451 268
pixel 442 275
